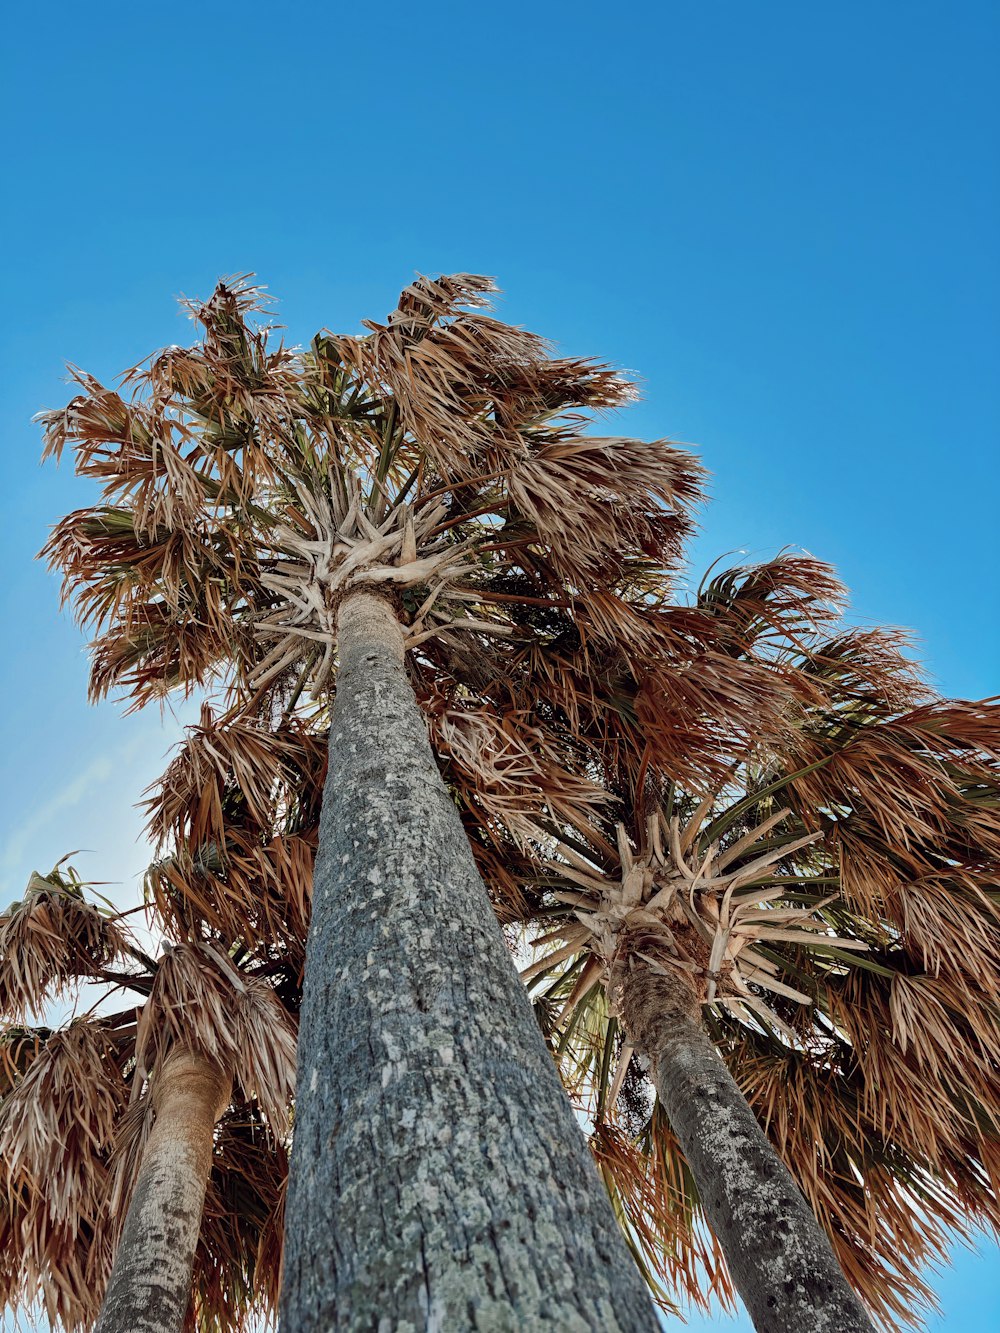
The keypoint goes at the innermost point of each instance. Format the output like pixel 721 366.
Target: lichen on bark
pixel 439 1179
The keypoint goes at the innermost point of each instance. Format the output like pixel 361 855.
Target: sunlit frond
pixel 48 940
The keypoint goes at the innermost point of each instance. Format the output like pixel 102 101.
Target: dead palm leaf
pixel 50 939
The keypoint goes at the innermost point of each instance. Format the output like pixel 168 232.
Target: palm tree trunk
pixel 150 1286
pixel 439 1179
pixel 780 1259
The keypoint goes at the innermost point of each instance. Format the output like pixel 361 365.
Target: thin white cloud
pixel 97 772
pixel 93 811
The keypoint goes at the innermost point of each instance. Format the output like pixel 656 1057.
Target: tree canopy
pixel 734 785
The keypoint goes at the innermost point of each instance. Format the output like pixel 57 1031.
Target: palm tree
pixel 276 522
pixel 290 527
pixel 825 918
pixel 108 1126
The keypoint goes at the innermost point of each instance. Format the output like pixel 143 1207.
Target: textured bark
pixel 150 1286
pixel 780 1258
pixel 439 1180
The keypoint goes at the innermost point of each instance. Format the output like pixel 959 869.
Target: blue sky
pixel 782 216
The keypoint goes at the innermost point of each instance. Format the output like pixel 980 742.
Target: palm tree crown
pixel 438 459
pixel 831 909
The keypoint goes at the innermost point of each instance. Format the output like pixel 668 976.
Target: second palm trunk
pixel 780 1259
pixel 150 1286
pixel 439 1179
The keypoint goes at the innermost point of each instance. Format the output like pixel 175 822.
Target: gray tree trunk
pixel 439 1180
pixel 780 1259
pixel 150 1286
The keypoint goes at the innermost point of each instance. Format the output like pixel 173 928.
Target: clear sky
pixel 783 216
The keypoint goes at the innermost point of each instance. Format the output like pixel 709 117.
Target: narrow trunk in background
pixel 439 1179
pixel 150 1286
pixel 779 1257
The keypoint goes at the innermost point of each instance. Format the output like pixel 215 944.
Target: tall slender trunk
pixel 150 1285
pixel 439 1180
pixel 780 1259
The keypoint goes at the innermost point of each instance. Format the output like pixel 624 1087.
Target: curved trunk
pixel 780 1259
pixel 438 1179
pixel 150 1286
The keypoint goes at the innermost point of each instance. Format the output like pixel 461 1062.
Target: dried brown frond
pixel 776 602
pixel 884 1212
pixel 201 1000
pixel 463 381
pixel 264 1035
pixel 916 795
pixel 701 711
pixel 235 774
pixel 236 815
pixel 57 1133
pixel 18 1048
pixel 592 501
pixel 50 939
pixel 249 894
pixel 132 448
pixel 172 599
pixel 658 1208
pixel 508 769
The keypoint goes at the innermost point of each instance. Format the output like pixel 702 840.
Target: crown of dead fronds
pixel 70 1146
pixel 201 1001
pixel 705 920
pixel 49 940
pixel 57 1133
pixel 834 911
pixel 76 1107
pixel 440 456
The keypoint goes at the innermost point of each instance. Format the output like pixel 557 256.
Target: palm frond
pixel 57 1133
pixel 50 939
